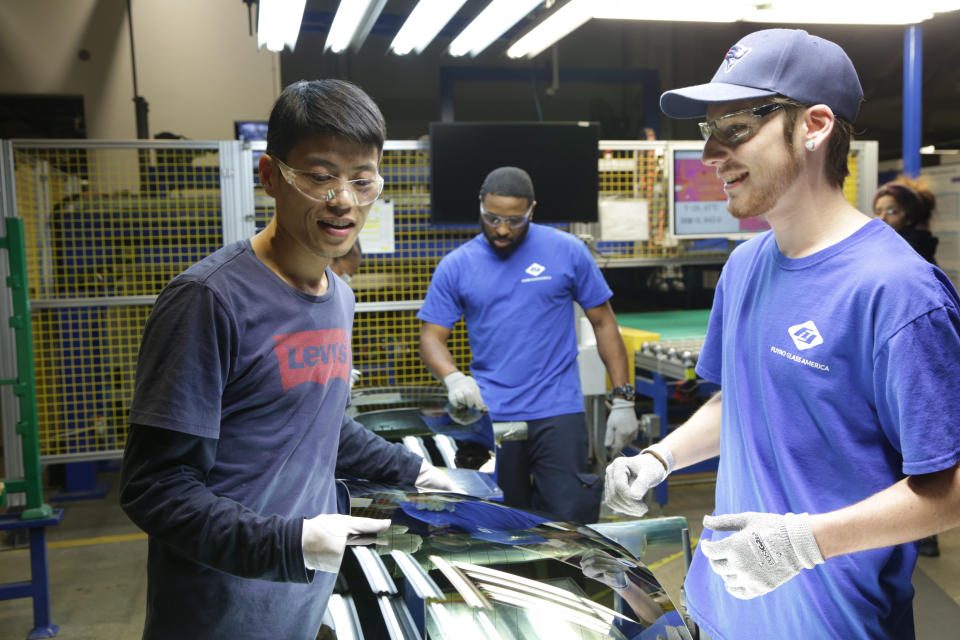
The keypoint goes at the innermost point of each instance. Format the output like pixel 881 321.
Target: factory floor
pixel 97 562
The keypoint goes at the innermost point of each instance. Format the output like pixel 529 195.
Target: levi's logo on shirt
pixel 312 356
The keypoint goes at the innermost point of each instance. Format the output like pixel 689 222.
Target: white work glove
pixel 354 377
pixel 629 478
pixel 621 425
pixel 397 538
pixel 767 550
pixel 325 537
pixel 462 391
pixel 603 567
pixel 431 478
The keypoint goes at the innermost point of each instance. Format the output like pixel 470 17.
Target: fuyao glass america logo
pixel 535 269
pixel 805 335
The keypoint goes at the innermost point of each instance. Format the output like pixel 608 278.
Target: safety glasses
pixel 493 220
pixel 325 187
pixel 738 127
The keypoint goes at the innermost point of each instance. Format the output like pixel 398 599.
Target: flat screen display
pixel 699 203
pixel 250 130
pixel 561 158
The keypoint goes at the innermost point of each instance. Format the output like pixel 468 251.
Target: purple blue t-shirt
pixel 833 369
pixel 520 318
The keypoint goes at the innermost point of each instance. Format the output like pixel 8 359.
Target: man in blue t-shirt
pixel 237 422
pixel 515 285
pixel 833 342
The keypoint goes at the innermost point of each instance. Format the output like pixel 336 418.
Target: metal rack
pixel 36 516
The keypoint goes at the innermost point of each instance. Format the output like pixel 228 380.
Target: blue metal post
pixel 40 580
pixel 912 99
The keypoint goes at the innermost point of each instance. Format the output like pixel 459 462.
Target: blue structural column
pixel 912 99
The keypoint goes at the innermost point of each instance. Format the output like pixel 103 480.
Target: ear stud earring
pixel 810 145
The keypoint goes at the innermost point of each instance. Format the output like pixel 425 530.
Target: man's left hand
pixel 766 551
pixel 432 479
pixel 621 425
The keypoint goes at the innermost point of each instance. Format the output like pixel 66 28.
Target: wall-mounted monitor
pixel 250 130
pixel 698 203
pixel 561 158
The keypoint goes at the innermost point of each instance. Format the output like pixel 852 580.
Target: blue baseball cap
pixel 787 62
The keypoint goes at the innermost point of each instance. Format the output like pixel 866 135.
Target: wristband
pixel 661 453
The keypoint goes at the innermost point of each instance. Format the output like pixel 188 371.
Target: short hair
pixel 316 107
pixel 838 144
pixel 913 196
pixel 513 182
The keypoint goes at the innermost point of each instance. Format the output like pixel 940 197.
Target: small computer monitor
pixel 698 203
pixel 561 158
pixel 250 130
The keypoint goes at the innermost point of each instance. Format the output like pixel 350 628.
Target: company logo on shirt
pixel 806 335
pixel 312 356
pixel 535 270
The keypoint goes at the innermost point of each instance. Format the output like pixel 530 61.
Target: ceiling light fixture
pixel 278 23
pixel 849 12
pixel 490 24
pixel 352 23
pixel 423 24
pixel 557 25
pixel 676 11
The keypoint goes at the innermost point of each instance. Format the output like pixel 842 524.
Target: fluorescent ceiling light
pixel 278 23
pixel 931 150
pixel 780 11
pixel 490 24
pixel 848 12
pixel 560 23
pixel 676 11
pixel 423 24
pixel 352 23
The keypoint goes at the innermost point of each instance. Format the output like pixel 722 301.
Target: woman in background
pixel 906 205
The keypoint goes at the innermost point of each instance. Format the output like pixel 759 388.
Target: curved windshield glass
pixel 454 566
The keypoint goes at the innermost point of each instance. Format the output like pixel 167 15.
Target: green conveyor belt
pixel 671 325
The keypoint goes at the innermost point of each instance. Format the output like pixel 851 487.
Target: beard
pixel 507 250
pixel 763 197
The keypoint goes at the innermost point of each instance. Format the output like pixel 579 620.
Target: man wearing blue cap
pixel 832 341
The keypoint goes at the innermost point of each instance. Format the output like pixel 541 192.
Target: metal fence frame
pixel 238 219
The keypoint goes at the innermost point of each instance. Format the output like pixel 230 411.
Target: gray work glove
pixel 767 550
pixel 431 478
pixel 605 568
pixel 462 391
pixel 629 478
pixel 326 536
pixel 674 633
pixel 621 425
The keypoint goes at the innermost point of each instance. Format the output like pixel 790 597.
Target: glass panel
pixel 506 573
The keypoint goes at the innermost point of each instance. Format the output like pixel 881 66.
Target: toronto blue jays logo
pixel 735 55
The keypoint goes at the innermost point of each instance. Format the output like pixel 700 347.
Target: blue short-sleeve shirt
pixel 833 368
pixel 520 318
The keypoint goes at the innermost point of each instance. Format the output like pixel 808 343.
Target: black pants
pixel 555 455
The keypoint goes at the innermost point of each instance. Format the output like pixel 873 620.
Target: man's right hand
pixel 462 391
pixel 629 478
pixel 325 537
